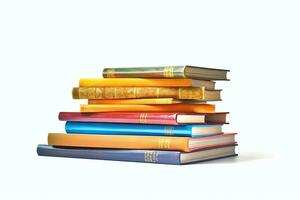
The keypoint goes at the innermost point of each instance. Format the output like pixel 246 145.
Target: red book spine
pixel 121 117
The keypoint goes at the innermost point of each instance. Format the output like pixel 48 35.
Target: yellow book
pixel 143 101
pixel 133 101
pixel 144 82
pixel 185 108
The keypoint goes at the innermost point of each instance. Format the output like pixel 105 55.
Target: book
pixel 145 92
pixel 192 108
pixel 143 129
pixel 144 82
pixel 184 71
pixel 185 144
pixel 147 156
pixel 145 117
pixel 144 101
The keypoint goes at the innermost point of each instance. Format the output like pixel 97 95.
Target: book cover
pixel 185 71
pixel 167 118
pixel 145 92
pixel 143 129
pixel 191 108
pixel 147 156
pixel 185 144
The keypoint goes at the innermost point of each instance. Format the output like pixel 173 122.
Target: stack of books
pixel 146 114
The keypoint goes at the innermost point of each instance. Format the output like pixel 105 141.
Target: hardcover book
pixel 144 101
pixel 145 92
pixel 145 117
pixel 143 129
pixel 144 82
pixel 185 71
pixel 185 144
pixel 191 108
pixel 148 156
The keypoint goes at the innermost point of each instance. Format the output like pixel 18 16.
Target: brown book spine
pixel 137 92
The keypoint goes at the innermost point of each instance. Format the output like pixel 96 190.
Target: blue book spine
pixel 162 157
pixel 132 129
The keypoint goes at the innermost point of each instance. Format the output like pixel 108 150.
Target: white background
pixel 46 46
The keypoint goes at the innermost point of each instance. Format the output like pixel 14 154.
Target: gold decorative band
pixel 151 156
pixel 110 73
pixel 164 143
pixel 168 130
pixel 169 71
pixel 143 118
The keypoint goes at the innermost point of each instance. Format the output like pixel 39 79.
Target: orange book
pixel 144 82
pixel 143 101
pixel 186 144
pixel 185 108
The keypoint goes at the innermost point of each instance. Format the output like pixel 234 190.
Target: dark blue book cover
pixel 163 157
pixel 149 156
pixel 199 130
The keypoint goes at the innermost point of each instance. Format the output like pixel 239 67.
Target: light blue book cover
pixel 199 130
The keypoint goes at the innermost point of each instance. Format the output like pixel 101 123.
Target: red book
pixel 166 118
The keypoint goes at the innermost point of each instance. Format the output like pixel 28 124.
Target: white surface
pixel 46 47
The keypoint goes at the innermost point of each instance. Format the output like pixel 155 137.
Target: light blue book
pixel 199 130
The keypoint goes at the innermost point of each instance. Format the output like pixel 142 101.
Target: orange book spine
pixel 119 141
pixel 132 101
pixel 196 108
pixel 133 82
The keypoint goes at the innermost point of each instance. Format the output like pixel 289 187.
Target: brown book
pixel 145 92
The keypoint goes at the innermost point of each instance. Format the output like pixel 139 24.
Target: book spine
pixel 131 117
pixel 137 92
pixel 127 129
pixel 193 108
pixel 132 101
pixel 161 157
pixel 134 82
pixel 145 72
pixel 119 141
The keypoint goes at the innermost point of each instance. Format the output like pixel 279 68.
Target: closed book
pixel 185 144
pixel 147 156
pixel 192 108
pixel 143 129
pixel 145 117
pixel 184 71
pixel 144 82
pixel 144 101
pixel 145 92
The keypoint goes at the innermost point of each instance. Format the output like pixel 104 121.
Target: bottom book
pixel 151 156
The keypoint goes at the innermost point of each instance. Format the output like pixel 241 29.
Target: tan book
pixel 145 92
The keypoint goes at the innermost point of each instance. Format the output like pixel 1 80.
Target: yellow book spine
pixel 132 101
pixel 196 108
pixel 134 82
pixel 137 92
pixel 119 141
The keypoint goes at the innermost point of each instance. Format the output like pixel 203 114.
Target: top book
pixel 187 71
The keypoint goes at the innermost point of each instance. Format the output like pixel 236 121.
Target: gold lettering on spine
pixel 179 93
pixel 115 93
pixel 157 92
pixel 164 143
pixel 110 73
pixel 203 92
pixel 169 71
pixel 135 92
pixel 143 118
pixel 151 156
pixel 168 130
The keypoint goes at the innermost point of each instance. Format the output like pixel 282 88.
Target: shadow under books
pixel 241 158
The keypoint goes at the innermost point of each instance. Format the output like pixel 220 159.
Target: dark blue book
pixel 199 130
pixel 162 157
